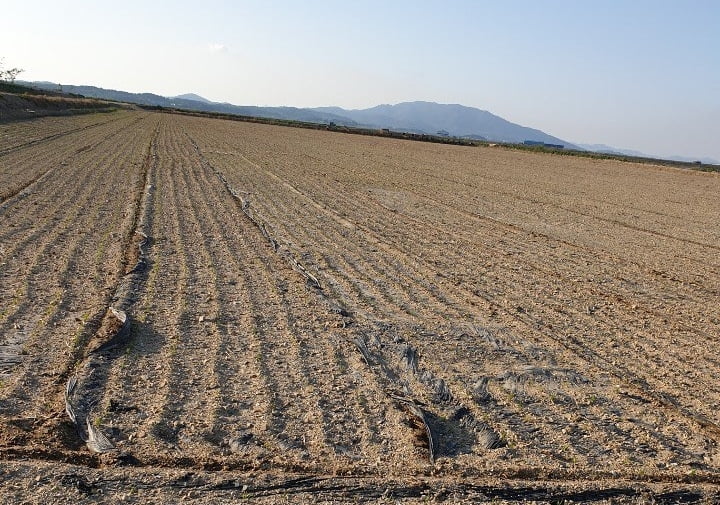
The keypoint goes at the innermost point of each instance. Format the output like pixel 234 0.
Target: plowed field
pixel 209 310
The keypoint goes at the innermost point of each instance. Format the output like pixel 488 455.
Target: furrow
pixel 48 308
pixel 408 296
pixel 68 260
pixel 111 336
pixel 53 136
pixel 494 278
pixel 322 361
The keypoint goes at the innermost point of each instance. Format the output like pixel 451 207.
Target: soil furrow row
pixel 111 335
pixel 339 440
pixel 419 414
pixel 497 280
pixel 324 237
pixel 57 220
pixel 138 382
pixel 343 207
pixel 305 358
pixel 286 327
pixel 14 133
pixel 33 295
pixel 17 169
pixel 65 269
pixel 53 136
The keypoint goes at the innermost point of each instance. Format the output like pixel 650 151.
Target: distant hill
pixel 606 149
pixel 456 120
pixel 415 117
pixel 289 113
pixel 193 96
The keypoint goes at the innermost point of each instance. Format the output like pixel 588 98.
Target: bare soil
pixel 15 106
pixel 211 311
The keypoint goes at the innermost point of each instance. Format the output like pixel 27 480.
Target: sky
pixel 632 74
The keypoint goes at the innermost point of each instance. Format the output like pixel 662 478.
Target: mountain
pixel 606 149
pixel 456 120
pixel 193 96
pixel 414 117
pixel 288 113
pixel 704 160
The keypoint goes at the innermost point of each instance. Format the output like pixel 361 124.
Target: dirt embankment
pixel 14 107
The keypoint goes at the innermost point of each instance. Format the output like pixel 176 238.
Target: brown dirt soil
pixel 15 107
pixel 246 311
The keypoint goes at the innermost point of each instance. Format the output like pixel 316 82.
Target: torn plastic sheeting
pixel 69 390
pixel 362 347
pixel 120 335
pixel 300 268
pixel 416 411
pixel 95 439
pixel 142 259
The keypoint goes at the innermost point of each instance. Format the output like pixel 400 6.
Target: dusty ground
pixel 316 316
pixel 15 107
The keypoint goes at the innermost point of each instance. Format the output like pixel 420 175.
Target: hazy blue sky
pixel 635 74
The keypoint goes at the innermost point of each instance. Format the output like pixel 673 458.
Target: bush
pixel 10 74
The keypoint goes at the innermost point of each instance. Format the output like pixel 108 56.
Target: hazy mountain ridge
pixel 416 117
pixel 289 113
pixel 606 149
pixel 192 96
pixel 456 120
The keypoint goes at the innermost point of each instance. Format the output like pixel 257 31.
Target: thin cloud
pixel 217 48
